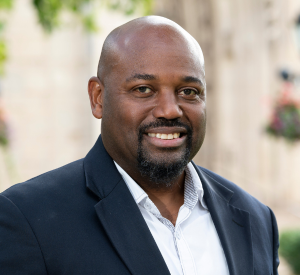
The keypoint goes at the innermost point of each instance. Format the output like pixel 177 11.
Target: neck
pixel 168 200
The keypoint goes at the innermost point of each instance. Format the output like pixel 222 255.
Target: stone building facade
pixel 245 44
pixel 44 92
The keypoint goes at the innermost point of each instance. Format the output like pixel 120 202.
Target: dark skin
pixel 150 69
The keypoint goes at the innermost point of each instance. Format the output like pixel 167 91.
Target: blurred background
pixel 50 48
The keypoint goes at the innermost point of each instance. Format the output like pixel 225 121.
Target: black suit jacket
pixel 82 219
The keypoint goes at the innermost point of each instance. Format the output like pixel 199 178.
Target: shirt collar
pixel 136 191
pixel 192 180
pixel 195 180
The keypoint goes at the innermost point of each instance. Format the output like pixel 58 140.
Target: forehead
pixel 158 50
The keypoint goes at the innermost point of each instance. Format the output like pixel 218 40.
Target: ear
pixel 95 89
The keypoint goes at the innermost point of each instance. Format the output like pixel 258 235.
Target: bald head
pixel 132 40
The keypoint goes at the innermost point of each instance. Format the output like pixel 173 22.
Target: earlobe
pixel 95 89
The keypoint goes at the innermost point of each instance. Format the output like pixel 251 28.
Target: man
pixel 136 204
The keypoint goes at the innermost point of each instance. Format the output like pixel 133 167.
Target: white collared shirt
pixel 192 246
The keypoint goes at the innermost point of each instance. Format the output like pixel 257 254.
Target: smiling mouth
pixel 165 136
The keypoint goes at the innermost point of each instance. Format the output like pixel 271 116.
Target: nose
pixel 167 106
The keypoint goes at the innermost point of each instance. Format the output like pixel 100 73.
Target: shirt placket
pixel 182 249
pixel 184 253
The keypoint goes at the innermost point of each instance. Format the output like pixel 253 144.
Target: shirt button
pixel 147 206
pixel 178 235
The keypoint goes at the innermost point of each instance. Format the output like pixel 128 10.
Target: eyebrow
pixel 187 79
pixel 192 79
pixel 141 76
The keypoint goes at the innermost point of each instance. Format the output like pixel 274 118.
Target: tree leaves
pixel 49 11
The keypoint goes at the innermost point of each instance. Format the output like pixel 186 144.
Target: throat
pixel 168 202
pixel 172 217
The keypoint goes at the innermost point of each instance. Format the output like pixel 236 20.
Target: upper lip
pixel 167 130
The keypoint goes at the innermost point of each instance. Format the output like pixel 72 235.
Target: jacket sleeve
pixel 275 243
pixel 20 252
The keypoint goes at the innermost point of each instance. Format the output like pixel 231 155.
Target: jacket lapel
pixel 232 225
pixel 120 215
pixel 129 233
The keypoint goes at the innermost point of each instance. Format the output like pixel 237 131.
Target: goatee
pixel 162 172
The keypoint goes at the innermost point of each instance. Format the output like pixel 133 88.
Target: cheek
pixel 202 120
pixel 119 129
pixel 197 117
pixel 123 117
pixel 115 109
pixel 198 122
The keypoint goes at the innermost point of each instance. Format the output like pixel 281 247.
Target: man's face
pixel 154 107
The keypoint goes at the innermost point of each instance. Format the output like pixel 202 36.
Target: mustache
pixel 162 122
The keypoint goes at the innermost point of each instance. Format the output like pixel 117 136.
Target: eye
pixel 189 92
pixel 144 90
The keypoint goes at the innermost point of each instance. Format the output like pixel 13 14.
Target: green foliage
pixel 3 129
pixel 129 6
pixel 3 55
pixel 4 5
pixel 3 139
pixel 49 10
pixel 290 248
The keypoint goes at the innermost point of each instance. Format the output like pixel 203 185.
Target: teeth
pixel 164 136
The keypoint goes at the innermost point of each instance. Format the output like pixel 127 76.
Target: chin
pixel 162 171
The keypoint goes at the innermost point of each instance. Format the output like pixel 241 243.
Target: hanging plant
pixel 285 120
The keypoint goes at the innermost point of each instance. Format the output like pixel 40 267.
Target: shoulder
pixel 240 198
pixel 52 185
pixel 51 178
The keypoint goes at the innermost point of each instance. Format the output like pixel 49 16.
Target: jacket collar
pixel 100 172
